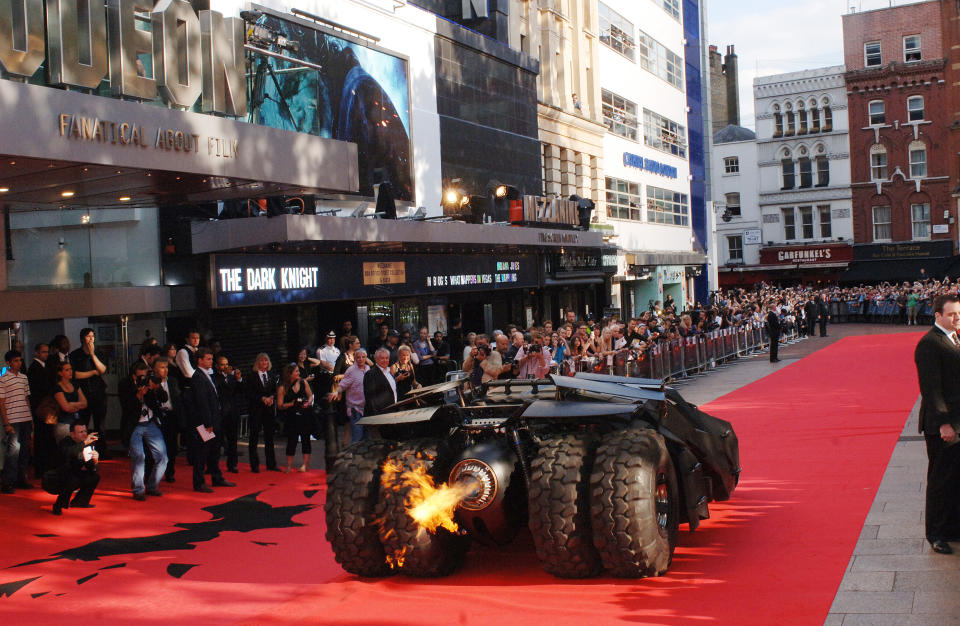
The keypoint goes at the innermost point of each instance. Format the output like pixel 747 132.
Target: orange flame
pixel 430 505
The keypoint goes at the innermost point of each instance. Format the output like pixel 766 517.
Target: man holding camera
pixel 145 395
pixel 78 472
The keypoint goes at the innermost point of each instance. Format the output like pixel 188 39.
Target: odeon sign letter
pixel 193 54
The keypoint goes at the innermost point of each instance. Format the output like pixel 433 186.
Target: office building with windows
pixel 803 156
pixel 904 212
pixel 646 49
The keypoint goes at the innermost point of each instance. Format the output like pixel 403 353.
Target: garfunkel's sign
pixel 193 54
pixel 825 253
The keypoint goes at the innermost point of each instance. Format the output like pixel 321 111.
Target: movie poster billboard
pixel 360 95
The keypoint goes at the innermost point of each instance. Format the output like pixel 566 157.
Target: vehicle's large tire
pixel 559 504
pixel 634 503
pixel 414 550
pixel 353 490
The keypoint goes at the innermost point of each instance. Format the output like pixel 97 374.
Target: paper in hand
pixel 205 435
pixel 87 453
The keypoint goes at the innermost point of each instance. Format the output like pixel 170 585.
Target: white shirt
pixel 168 405
pixel 183 361
pixel 329 354
pixel 393 383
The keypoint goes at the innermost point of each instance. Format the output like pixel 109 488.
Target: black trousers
pixel 823 326
pixel 45 453
pixel 96 411
pixel 171 431
pixel 84 483
pixel 942 515
pixel 774 346
pixel 267 423
pixel 228 443
pixel 206 459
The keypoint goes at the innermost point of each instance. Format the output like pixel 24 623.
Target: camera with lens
pixel 534 347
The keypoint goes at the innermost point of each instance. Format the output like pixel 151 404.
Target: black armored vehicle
pixel 601 469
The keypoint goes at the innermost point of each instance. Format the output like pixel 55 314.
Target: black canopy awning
pixel 895 270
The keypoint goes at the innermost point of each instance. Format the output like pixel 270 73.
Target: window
pixel 667 207
pixel 790 124
pixel 656 59
pixel 778 124
pixel 826 226
pixel 911 48
pixel 802 114
pixel 806 173
pixel 733 204
pixel 876 112
pixel 786 165
pixel 878 162
pixel 623 200
pixel 814 120
pixel 871 54
pixel 620 115
pixel 616 32
pixel 664 134
pixel 881 223
pixel 920 218
pixel 823 171
pixel 918 159
pixel 915 108
pixel 672 7
pixel 806 222
pixel 789 225
pixel 731 165
pixel 735 247
pixel 827 119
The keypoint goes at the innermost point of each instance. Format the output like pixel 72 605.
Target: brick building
pixel 899 118
pixel 950 20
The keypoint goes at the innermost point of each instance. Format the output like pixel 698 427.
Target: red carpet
pixel 815 439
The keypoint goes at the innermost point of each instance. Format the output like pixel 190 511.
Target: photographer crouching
pixel 78 472
pixel 141 398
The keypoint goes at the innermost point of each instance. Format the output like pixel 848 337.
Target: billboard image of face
pixel 360 95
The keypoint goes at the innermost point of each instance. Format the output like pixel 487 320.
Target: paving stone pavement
pixel 893 576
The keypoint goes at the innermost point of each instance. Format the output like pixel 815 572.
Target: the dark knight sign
pixel 257 279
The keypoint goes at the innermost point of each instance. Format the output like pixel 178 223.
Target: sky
pixel 781 36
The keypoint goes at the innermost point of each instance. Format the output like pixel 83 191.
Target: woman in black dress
pixel 294 398
pixel 403 373
pixel 70 400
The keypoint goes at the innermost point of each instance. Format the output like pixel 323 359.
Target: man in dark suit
pixel 206 417
pixel 44 446
pixel 810 311
pixel 773 330
pixel 228 382
pixel 261 389
pixel 938 369
pixel 822 314
pixel 78 471
pixel 379 387
pixel 171 416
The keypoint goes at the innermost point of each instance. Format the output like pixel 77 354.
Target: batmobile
pixel 602 469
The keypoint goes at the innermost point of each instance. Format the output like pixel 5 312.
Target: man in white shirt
pixel 379 386
pixel 329 353
pixel 17 423
pixel 187 355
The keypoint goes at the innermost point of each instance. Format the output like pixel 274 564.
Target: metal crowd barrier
pixel 682 357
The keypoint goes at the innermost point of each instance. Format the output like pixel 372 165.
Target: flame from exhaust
pixel 430 505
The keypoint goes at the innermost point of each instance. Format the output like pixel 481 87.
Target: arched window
pixel 878 162
pixel 787 170
pixel 915 108
pixel 802 115
pixel 777 121
pixel 918 159
pixel 876 111
pixel 882 223
pixel 827 115
pixel 791 122
pixel 814 117
pixel 823 171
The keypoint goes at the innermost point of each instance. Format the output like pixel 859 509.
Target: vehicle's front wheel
pixel 559 504
pixel 634 503
pixel 353 490
pixel 412 549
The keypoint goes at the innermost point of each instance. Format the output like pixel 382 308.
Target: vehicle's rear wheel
pixel 412 549
pixel 559 503
pixel 634 503
pixel 353 490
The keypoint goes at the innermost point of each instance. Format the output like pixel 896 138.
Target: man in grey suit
pixel 937 357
